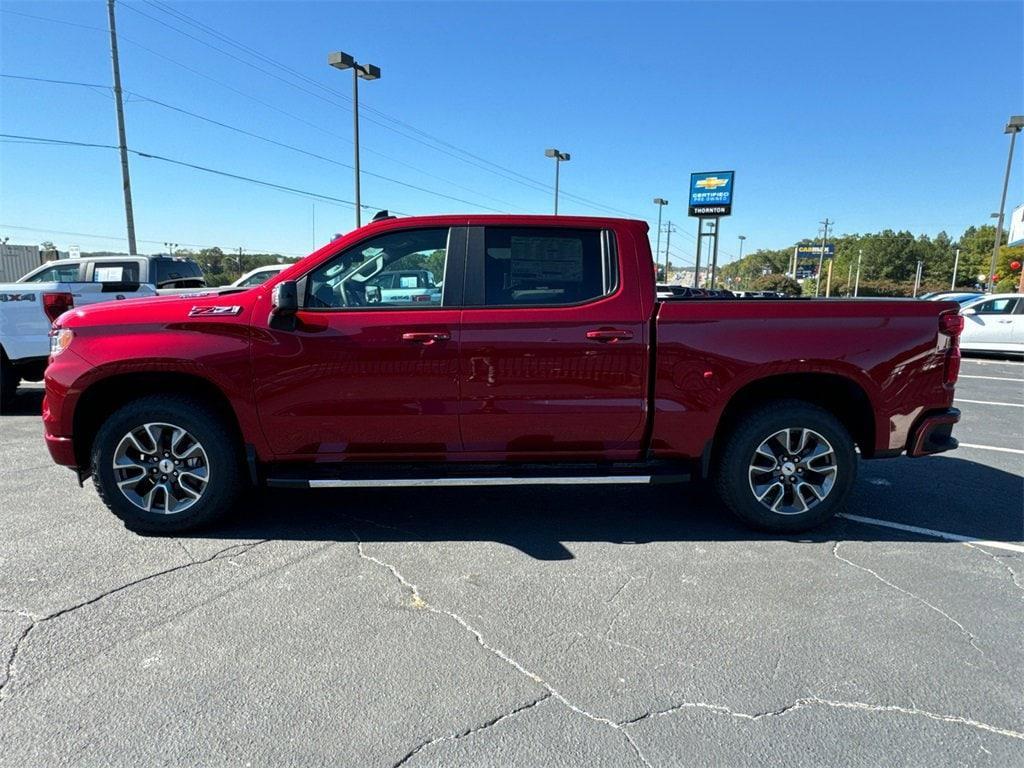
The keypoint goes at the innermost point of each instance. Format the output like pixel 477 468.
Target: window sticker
pixel 538 260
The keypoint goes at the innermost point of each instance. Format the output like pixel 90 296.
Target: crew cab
pixel 548 359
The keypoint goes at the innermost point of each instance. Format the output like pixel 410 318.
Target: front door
pixel 554 349
pixel 359 377
pixel 991 323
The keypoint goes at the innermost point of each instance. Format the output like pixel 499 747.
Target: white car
pixel 994 323
pixel 259 275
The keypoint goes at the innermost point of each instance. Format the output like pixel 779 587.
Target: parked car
pixel 547 359
pixel 994 323
pixel 259 275
pixel 960 297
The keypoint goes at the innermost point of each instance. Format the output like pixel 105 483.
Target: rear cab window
pixel 182 273
pixel 547 266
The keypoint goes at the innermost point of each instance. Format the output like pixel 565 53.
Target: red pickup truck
pixel 544 357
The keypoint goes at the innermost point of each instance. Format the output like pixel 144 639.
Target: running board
pixel 417 482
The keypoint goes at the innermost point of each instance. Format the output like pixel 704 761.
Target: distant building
pixel 18 260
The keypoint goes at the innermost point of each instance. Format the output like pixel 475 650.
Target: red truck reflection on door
pixel 546 359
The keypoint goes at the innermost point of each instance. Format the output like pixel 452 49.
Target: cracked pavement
pixel 513 627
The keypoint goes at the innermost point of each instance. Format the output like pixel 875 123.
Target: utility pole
pixel 917 277
pixel 669 229
pixel 741 238
pixel 239 258
pixel 956 266
pixel 129 214
pixel 821 256
pixel 661 203
pixel 856 283
pixel 849 277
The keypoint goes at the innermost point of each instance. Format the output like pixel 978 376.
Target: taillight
pixel 951 324
pixel 56 304
pixel 421 297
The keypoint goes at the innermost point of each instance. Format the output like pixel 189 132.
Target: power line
pixel 495 167
pixel 194 166
pixel 93 235
pixel 243 131
pixel 124 38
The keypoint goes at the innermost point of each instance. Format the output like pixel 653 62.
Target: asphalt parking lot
pixel 516 627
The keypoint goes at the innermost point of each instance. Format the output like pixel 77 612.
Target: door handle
pixel 426 338
pixel 606 335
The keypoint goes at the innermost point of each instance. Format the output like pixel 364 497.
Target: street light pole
pixel 741 238
pixel 1013 127
pixel 340 60
pixel 856 282
pixel 661 203
pixel 560 157
pixel 126 182
pixel 956 266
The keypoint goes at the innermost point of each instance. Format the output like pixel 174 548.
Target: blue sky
pixel 875 115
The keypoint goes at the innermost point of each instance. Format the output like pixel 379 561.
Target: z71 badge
pixel 214 311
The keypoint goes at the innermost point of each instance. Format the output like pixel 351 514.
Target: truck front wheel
pixel 166 464
pixel 786 467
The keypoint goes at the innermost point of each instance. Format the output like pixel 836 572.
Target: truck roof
pixel 480 219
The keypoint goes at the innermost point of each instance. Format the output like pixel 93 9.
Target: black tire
pixel 9 381
pixel 222 456
pixel 735 481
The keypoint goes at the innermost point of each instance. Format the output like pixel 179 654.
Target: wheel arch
pixel 105 396
pixel 839 395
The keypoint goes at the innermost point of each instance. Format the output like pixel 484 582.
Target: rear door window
pixel 526 266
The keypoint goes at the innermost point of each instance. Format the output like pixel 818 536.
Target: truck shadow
pixel 948 494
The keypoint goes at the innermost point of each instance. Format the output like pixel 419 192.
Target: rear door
pixel 554 348
pixel 359 377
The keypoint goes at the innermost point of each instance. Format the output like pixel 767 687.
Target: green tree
pixel 781 283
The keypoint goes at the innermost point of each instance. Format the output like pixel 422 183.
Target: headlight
pixel 60 339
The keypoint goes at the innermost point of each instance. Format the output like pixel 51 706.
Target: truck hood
pixel 178 307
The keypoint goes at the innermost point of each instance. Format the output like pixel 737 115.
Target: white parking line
pixel 990 448
pixel 990 362
pixel 937 534
pixel 990 378
pixel 987 402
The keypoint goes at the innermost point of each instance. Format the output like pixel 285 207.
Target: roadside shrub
pixel 781 283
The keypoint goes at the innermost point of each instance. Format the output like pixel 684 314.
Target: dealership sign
pixel 711 194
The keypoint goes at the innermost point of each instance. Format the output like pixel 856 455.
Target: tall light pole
pixel 741 239
pixel 856 282
pixel 560 157
pixel 126 182
pixel 956 267
pixel 340 60
pixel 1013 127
pixel 661 203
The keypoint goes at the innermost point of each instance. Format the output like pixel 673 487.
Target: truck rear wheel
pixel 166 464
pixel 787 466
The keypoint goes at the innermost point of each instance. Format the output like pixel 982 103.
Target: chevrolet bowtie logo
pixel 712 182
